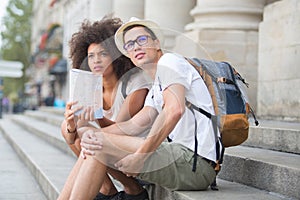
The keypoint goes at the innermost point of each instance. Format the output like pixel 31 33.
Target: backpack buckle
pixel 221 80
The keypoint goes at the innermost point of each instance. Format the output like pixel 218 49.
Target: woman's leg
pixel 92 172
pixel 76 147
pixel 89 179
pixel 108 187
pixel 66 191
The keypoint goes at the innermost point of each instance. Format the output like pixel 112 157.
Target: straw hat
pixel 136 21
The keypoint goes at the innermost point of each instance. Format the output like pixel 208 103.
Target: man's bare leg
pixel 131 186
pixel 108 187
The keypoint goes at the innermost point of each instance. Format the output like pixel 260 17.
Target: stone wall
pixel 259 37
pixel 279 61
pixel 226 31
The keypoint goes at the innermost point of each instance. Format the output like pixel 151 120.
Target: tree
pixel 16 40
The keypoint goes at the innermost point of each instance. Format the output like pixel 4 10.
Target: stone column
pixel 229 14
pixel 226 31
pixel 99 8
pixel 171 15
pixel 279 58
pixel 128 8
pixel 271 1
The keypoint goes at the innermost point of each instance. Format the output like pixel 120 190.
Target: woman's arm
pixel 70 124
pixel 104 122
pixel 133 103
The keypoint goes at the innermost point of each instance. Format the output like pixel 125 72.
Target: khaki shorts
pixel 171 167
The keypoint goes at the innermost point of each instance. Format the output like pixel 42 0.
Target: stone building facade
pixel 258 37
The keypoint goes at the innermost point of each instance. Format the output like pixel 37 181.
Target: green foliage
pixel 16 40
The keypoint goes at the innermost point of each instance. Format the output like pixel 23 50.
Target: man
pixel 153 159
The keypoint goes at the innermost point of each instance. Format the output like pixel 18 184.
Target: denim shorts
pixel 171 167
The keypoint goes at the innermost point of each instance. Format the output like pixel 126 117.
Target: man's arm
pixel 173 109
pixel 142 121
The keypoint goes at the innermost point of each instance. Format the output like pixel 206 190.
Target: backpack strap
pixel 124 86
pixel 192 106
pixel 208 81
pixel 214 119
pixel 255 120
pixel 233 81
pixel 195 137
pixel 125 78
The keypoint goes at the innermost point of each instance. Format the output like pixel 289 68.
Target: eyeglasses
pixel 140 40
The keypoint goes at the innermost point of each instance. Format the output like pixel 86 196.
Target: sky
pixel 2 13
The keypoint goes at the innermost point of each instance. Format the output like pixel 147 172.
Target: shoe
pixel 141 196
pixel 117 196
pixel 123 196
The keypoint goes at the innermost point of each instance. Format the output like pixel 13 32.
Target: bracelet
pixel 71 132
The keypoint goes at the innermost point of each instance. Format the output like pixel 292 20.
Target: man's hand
pixel 132 164
pixel 89 143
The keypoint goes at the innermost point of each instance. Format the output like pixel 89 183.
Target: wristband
pixel 71 132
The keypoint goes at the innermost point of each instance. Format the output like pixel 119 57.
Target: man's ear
pixel 157 44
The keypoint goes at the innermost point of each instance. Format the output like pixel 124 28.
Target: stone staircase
pixel 35 161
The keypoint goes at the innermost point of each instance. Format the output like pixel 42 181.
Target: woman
pixel 93 48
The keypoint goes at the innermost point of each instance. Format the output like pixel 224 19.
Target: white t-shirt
pixel 136 81
pixel 174 69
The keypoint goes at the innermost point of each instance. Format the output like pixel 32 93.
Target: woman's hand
pixel 87 114
pixel 70 116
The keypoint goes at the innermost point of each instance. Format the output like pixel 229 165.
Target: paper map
pixel 86 89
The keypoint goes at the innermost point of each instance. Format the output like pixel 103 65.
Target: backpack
pixel 229 98
pixel 230 102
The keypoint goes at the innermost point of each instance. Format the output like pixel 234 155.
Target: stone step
pixel 270 134
pixel 49 165
pixel 275 135
pixel 265 169
pixel 40 127
pixel 49 117
pixel 227 191
pixel 231 170
pixel 53 110
pixel 235 168
pixel 16 180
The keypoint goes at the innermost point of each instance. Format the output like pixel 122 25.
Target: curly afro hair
pixel 100 32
